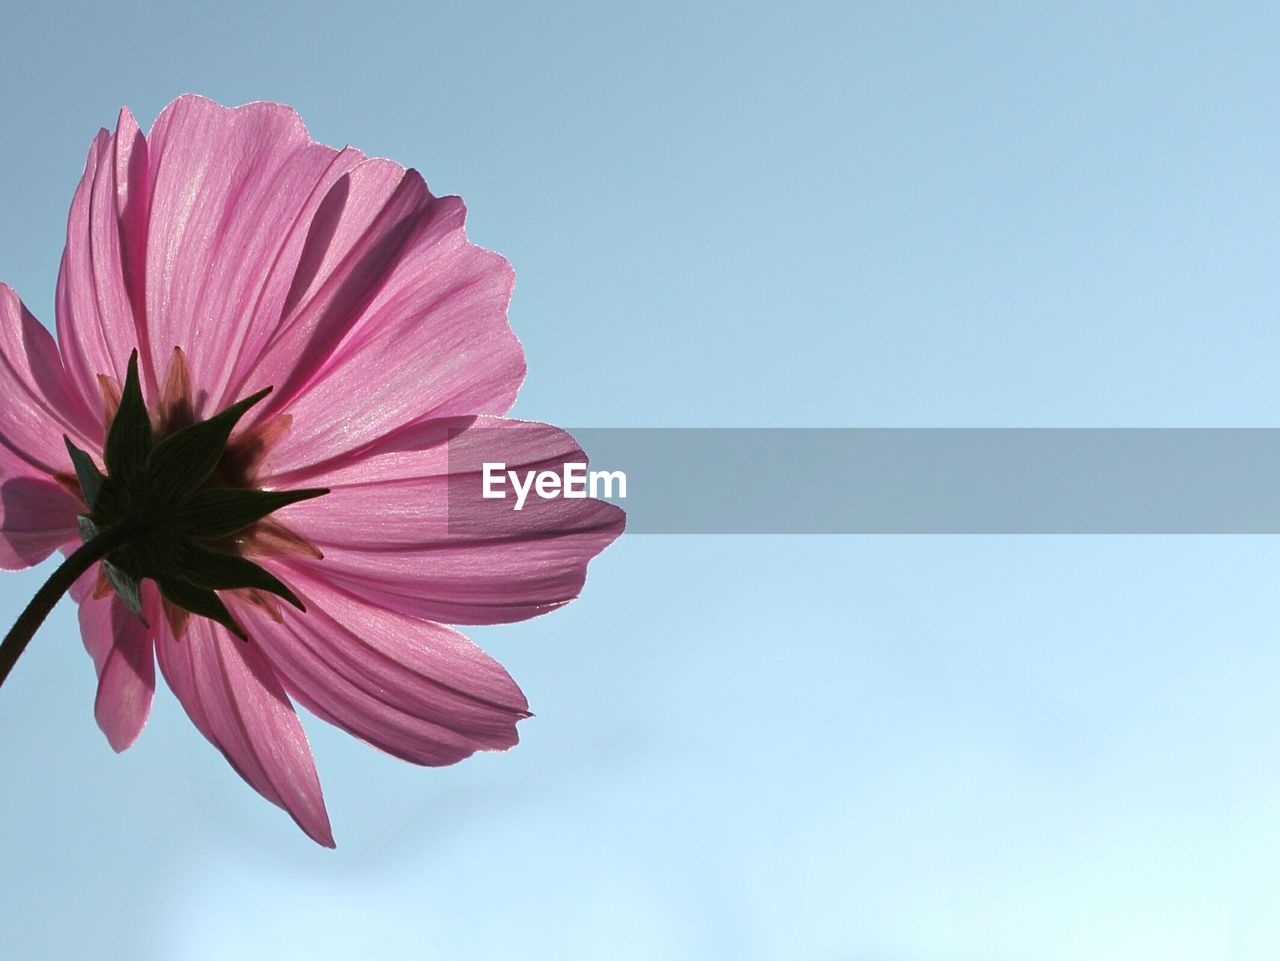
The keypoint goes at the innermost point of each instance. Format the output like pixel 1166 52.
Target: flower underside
pixel 180 494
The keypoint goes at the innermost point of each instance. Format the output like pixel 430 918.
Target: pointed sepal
pixel 127 586
pixel 198 600
pixel 224 572
pixel 91 479
pixel 179 526
pixel 183 461
pixel 129 440
pixel 222 511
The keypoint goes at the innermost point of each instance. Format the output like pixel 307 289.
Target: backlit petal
pixel 100 281
pixel 232 196
pixel 413 688
pixel 122 650
pixel 406 526
pixel 37 403
pixel 400 338
pixel 233 696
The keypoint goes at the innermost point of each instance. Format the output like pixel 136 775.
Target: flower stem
pixel 59 582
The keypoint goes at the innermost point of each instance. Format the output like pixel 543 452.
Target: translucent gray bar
pixel 944 481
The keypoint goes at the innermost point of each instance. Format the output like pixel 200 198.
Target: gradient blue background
pixel 806 749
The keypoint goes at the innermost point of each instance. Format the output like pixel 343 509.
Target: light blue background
pixel 805 749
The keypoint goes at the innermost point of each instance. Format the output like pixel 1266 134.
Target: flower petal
pixel 233 696
pixel 232 196
pixel 415 689
pixel 39 404
pixel 406 525
pixel 100 280
pixel 37 516
pixel 354 237
pixel 122 651
pixel 416 303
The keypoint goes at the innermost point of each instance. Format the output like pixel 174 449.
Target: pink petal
pixel 232 196
pixel 233 696
pixel 37 517
pixel 413 326
pixel 39 404
pixel 121 646
pixel 100 282
pixel 415 689
pixel 358 231
pixel 385 527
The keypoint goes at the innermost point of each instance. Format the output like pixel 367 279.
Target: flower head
pixel 274 361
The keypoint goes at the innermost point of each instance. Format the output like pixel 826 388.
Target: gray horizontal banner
pixel 918 481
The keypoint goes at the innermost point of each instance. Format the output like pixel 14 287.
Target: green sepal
pixel 223 572
pixel 128 587
pixel 129 440
pixel 183 461
pixel 221 511
pixel 200 601
pixel 154 489
pixel 91 479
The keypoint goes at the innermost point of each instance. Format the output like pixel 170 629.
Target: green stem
pixel 59 582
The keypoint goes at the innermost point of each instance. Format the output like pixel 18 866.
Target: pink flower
pixel 233 253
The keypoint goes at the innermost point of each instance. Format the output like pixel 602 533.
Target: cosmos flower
pixel 304 551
